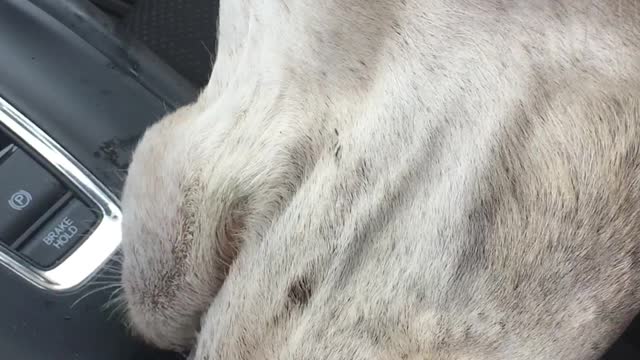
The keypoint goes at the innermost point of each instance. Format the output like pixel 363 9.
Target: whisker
pixel 115 293
pixel 105 282
pixel 109 276
pixel 117 304
pixel 109 286
pixel 113 269
pixel 118 309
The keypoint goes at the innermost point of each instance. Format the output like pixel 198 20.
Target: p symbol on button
pixel 20 200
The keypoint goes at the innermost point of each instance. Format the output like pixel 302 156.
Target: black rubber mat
pixel 181 32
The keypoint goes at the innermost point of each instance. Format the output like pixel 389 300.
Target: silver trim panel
pixel 78 267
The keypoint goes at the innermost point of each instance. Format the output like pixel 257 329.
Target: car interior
pixel 80 81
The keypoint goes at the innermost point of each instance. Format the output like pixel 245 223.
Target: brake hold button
pixel 27 191
pixel 60 234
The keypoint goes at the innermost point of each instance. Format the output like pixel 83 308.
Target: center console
pixel 75 96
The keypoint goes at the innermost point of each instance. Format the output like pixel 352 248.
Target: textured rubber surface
pixel 181 32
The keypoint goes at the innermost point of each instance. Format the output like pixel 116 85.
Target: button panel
pixel 60 234
pixel 27 191
pixel 40 218
pixel 58 224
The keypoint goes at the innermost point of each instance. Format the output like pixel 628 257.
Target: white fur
pixel 396 180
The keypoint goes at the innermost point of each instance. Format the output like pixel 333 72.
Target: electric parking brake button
pixel 27 191
pixel 59 235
